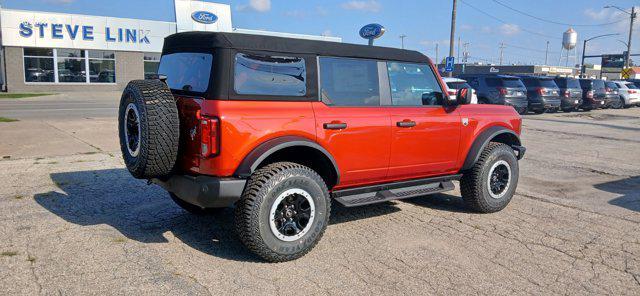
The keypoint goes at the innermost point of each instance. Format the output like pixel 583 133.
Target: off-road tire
pixel 159 129
pixel 568 110
pixel 474 187
pixel 252 211
pixel 193 209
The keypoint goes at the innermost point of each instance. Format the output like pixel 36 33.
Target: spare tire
pixel 149 129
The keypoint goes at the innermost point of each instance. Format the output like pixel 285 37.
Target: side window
pixel 269 75
pixel 413 85
pixel 187 71
pixel 474 83
pixel 349 82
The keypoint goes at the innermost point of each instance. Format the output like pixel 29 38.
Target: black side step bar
pixel 392 191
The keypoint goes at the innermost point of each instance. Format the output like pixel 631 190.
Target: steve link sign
pixel 71 31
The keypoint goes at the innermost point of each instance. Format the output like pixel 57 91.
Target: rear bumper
pixel 571 102
pixel 520 149
pixel 204 191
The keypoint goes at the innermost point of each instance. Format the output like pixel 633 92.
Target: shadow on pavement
pixel 629 188
pixel 144 213
pixel 440 201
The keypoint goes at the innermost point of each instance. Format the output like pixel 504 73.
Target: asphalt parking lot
pixel 73 221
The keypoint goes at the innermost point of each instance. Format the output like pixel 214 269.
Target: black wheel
pixel 552 110
pixel 522 111
pixel 490 184
pixel 567 110
pixel 618 104
pixel 149 128
pixel 283 211
pixel 193 209
pixel 586 109
pixel 540 111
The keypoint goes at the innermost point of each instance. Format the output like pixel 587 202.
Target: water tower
pixel 569 50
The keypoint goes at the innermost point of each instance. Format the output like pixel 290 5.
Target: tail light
pixel 542 91
pixel 209 137
pixel 502 91
pixel 631 91
pixel 566 94
pixel 608 89
pixel 590 94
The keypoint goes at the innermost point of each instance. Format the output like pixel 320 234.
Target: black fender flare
pixel 251 161
pixel 483 140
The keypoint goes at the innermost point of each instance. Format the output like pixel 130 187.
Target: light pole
pixel 632 16
pixel 584 48
pixel 402 39
pixel 453 32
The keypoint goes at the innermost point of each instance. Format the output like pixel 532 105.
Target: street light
pixel 632 15
pixel 584 48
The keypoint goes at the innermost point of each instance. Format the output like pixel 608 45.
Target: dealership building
pixel 50 52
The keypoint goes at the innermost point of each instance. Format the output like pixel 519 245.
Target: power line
pixel 505 22
pixel 554 22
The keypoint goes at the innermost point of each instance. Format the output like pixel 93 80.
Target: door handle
pixel 406 123
pixel 335 125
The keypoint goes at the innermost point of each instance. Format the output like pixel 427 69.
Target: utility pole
pixel 546 54
pixel 501 52
pixel 627 59
pixel 402 39
pixel 453 32
pixel 437 61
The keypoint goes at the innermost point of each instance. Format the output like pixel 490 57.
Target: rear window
pixel 598 83
pixel 458 85
pixel 270 75
pixel 504 82
pixel 631 86
pixel 610 84
pixel 567 83
pixel 547 83
pixel 187 71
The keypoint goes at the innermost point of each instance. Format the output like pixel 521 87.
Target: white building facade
pixel 49 52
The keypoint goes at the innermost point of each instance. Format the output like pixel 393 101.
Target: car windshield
pixel 504 82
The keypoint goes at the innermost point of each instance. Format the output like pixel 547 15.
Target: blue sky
pixel 484 24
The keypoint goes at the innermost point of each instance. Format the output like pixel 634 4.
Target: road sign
pixel 626 73
pixel 449 64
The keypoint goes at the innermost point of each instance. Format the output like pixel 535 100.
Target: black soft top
pixel 204 41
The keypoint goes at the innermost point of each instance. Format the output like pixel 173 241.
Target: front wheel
pixel 283 211
pixel 490 184
pixel 618 104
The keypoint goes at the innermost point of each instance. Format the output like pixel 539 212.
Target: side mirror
pixel 464 95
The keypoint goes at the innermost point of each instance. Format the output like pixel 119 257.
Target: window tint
pixel 585 83
pixel 493 82
pixel 349 82
pixel 187 71
pixel 504 82
pixel 413 85
pixel 547 83
pixel 597 83
pixel 567 82
pixel 612 85
pixel 270 75
pixel 631 86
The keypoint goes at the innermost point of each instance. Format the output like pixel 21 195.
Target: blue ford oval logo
pixel 372 31
pixel 204 17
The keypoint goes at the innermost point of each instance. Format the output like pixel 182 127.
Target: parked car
pixel 499 90
pixel 636 82
pixel 612 99
pixel 593 94
pixel 277 127
pixel 629 94
pixel 570 93
pixel 455 84
pixel 543 95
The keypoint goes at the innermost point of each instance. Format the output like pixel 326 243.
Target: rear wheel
pixel 568 110
pixel 283 211
pixel 540 111
pixel 490 184
pixel 618 104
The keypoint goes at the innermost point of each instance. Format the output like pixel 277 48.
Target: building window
pixel 151 65
pixel 102 66
pixel 69 66
pixel 38 65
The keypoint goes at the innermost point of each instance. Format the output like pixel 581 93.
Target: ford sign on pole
pixel 204 17
pixel 371 32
